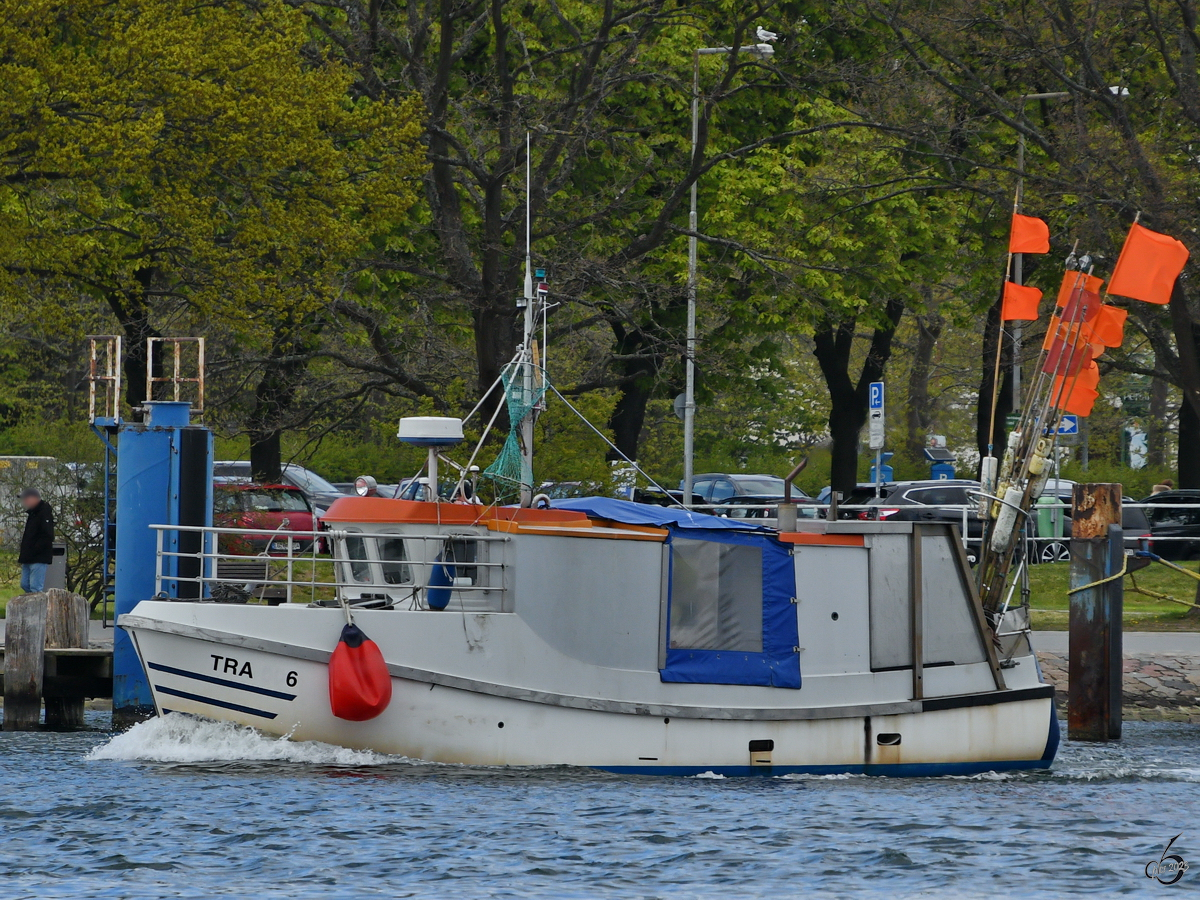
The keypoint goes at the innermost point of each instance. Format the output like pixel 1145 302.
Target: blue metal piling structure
pixel 164 477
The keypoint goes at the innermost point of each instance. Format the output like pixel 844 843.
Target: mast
pixel 527 360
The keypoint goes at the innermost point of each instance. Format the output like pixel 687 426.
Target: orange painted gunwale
pixel 812 538
pixel 385 511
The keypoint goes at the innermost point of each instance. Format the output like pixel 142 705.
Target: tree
pixel 1115 146
pixel 188 163
pixel 604 88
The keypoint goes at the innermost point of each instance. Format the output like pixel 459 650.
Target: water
pixel 182 808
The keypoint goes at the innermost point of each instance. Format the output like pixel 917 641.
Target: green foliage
pixel 1136 483
pixel 68 441
pixel 196 142
pixel 344 221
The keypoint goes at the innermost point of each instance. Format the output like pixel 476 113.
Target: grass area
pixel 1048 585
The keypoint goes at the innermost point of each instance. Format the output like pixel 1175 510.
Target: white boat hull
pixel 287 694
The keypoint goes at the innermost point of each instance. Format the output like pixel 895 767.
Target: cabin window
pixel 394 561
pixel 360 566
pixel 716 596
pixel 463 550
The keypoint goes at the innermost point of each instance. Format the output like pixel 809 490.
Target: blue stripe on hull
pixel 898 770
pixel 223 682
pixel 222 704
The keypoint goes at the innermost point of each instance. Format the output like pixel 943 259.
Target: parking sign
pixel 875 419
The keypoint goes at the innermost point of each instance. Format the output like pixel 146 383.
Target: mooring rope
pixel 1138 589
pixel 1118 575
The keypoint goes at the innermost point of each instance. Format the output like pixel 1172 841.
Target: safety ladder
pixel 184 369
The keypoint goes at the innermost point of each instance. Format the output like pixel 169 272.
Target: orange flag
pixel 1029 235
pixel 1054 330
pixel 1020 303
pixel 1108 328
pixel 1080 393
pixel 1067 358
pixel 1083 306
pixel 1148 266
pixel 1073 281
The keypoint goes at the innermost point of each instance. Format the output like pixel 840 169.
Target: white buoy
pixel 988 468
pixel 1006 520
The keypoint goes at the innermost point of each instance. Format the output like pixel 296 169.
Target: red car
pixel 274 508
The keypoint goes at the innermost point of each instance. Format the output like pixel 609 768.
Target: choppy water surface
pixel 181 808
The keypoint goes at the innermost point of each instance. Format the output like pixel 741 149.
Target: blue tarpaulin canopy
pixel 630 513
pixel 731 614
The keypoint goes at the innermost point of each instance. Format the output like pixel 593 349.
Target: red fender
pixel 360 687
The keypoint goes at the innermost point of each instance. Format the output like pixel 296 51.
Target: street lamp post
pixel 762 50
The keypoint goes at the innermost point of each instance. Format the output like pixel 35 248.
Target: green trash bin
pixel 1051 544
pixel 1050 518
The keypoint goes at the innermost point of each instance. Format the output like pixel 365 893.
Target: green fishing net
pixel 506 470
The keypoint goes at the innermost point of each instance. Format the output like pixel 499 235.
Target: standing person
pixel 37 542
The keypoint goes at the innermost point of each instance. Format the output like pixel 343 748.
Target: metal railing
pixel 263 564
pixel 764 514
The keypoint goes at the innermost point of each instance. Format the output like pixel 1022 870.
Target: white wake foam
pixel 176 738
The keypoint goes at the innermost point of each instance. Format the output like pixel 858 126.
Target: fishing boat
pixel 630 638
pixel 609 634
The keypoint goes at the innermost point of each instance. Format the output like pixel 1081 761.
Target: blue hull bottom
pixel 900 770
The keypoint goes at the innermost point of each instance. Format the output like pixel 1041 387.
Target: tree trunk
pixel 988 421
pixel 496 341
pixel 1156 431
pixel 1188 473
pixel 919 416
pixel 848 400
pixel 132 311
pixel 846 419
pixel 1187 343
pixel 637 387
pixel 273 398
pixel 266 456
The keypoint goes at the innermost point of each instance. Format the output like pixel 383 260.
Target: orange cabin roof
pixel 384 511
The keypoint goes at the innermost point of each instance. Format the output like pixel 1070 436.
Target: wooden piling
pixel 66 628
pixel 34 623
pixel 1097 551
pixel 24 645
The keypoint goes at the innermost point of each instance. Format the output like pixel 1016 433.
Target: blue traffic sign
pixel 876 395
pixel 1068 425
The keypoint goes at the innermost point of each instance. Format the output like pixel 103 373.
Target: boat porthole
pixel 834 617
pixel 667 721
pixel 501 725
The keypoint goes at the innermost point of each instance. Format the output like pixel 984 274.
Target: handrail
pixel 419 570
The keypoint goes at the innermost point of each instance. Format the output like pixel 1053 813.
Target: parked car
pixel 719 488
pixel 766 507
pixel 710 490
pixel 927 501
pixel 320 493
pixel 654 497
pixel 1174 522
pixel 274 508
pixel 863 491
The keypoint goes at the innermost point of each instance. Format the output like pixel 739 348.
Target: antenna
pixel 528 188
pixel 527 342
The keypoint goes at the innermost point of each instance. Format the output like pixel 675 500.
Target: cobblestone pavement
pixel 1155 686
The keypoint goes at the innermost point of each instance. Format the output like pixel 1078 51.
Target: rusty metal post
pixel 1097 547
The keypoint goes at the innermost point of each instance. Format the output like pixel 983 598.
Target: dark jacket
pixel 37 543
